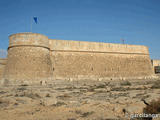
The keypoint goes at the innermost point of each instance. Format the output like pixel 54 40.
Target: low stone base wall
pixel 79 80
pixel 26 82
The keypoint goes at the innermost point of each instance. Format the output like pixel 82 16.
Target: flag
pixel 35 20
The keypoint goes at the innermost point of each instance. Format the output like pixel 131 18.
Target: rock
pixel 89 93
pixel 135 108
pixel 118 109
pixel 48 102
pixel 43 82
pixel 108 89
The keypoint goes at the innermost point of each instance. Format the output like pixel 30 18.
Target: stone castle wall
pixel 28 57
pixel 75 59
pixel 81 46
pixel 156 62
pixel 34 57
pixel 2 66
pixel 156 66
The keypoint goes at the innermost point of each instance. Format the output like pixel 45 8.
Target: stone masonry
pixel 28 58
pixel 74 59
pixel 33 57
pixel 155 62
pixel 2 66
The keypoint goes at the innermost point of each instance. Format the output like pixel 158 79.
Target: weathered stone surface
pixel 2 66
pixel 34 58
pixel 156 62
pixel 100 65
pixel 77 59
pixel 28 58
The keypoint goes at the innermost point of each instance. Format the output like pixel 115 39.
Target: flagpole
pixel 31 24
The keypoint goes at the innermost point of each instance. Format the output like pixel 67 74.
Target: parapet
pixel 81 46
pixel 28 39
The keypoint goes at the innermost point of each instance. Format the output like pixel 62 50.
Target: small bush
pixel 126 83
pixel 64 96
pixel 119 89
pixel 21 89
pixel 59 103
pixel 91 90
pixel 33 95
pixel 84 114
pixel 24 85
pixel 156 85
pixel 48 95
pixel 71 119
pixel 101 86
pixel 153 107
pixel 28 94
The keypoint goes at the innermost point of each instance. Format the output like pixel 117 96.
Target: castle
pixel 33 57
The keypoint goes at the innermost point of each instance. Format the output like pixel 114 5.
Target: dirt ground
pixel 77 100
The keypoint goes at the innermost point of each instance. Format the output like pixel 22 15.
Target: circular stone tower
pixel 28 58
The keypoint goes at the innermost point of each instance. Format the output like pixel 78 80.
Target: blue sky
pixel 136 21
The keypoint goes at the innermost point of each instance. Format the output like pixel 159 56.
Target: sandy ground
pixel 73 100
